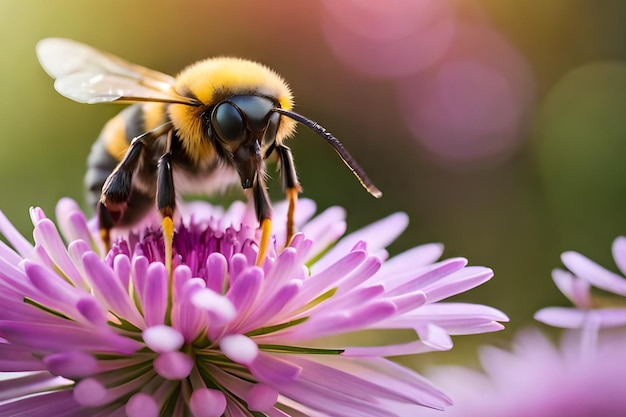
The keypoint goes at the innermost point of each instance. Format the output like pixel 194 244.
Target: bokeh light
pixel 388 38
pixel 472 105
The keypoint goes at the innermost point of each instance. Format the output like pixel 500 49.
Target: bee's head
pixel 244 125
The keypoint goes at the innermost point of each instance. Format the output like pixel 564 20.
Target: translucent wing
pixel 88 75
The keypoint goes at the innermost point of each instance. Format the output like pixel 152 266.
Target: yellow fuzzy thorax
pixel 215 79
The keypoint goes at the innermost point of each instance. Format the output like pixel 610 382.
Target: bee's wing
pixel 88 75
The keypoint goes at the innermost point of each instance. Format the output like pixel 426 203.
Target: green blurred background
pixel 497 125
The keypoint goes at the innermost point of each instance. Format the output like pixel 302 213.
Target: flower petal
pixel 220 309
pixel 458 282
pixel 161 338
pixel 142 405
pixel 239 348
pixel 109 289
pixel 216 267
pixel 46 337
pixel 15 238
pixel 244 291
pixel 72 221
pixel 434 336
pixel 58 403
pixel 325 229
pixel 155 294
pixel 173 365
pixel 577 290
pixel 46 234
pixel 420 278
pixel 378 235
pixel 207 402
pixel 72 364
pixel 273 370
pixel 619 253
pixel 565 317
pixel 594 273
pixel 261 397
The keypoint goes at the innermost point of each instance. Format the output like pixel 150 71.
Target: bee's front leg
pixel 166 203
pixel 263 214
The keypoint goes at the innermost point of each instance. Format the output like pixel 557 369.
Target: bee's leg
pixel 166 203
pixel 116 191
pixel 291 187
pixel 105 223
pixel 264 215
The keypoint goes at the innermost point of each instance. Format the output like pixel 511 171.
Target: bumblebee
pixel 214 124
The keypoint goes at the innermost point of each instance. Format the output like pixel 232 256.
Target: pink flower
pixel 117 336
pixel 536 378
pixel 580 378
pixel 576 286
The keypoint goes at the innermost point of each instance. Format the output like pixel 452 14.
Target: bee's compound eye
pixel 228 122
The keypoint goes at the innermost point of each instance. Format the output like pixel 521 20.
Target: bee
pixel 212 125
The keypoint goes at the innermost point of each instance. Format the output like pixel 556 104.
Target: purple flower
pixel 536 378
pixel 113 335
pixel 588 314
pixel 580 378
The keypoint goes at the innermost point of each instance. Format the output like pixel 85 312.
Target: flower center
pixel 193 244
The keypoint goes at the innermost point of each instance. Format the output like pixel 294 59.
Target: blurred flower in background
pixel 389 39
pixel 473 106
pixel 220 335
pixel 465 92
pixel 579 378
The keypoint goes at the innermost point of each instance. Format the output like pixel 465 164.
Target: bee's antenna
pixel 341 151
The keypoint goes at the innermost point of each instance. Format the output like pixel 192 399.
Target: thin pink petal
pixel 434 336
pixel 217 266
pixel 161 338
pixel 577 290
pixel 188 319
pixel 343 321
pixel 50 404
pixel 54 338
pixel 421 277
pixel 155 294
pixel 109 289
pixel 378 235
pixel 388 351
pixel 619 253
pixel 72 221
pixel 325 229
pixel 458 282
pixel 416 257
pixel 173 365
pixel 564 317
pixel 239 348
pixel 46 234
pixel 15 238
pixel 72 364
pixel 52 285
pixel 142 405
pixel 207 402
pixel 268 312
pixel 594 273
pixel 317 283
pixel 244 291
pixel 274 370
